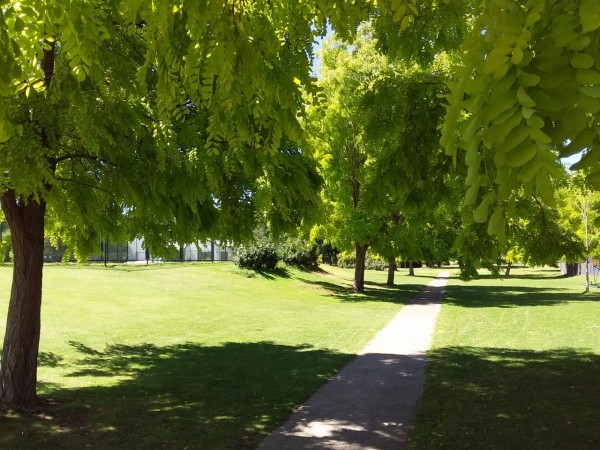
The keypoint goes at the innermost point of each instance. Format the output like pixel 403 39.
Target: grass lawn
pixel 198 356
pixel 515 364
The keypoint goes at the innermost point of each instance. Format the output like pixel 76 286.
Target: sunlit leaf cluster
pixel 527 91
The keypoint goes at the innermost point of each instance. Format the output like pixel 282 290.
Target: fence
pixel 121 252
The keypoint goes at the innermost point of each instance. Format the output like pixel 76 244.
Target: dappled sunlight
pixel 181 392
pixel 507 295
pixel 522 398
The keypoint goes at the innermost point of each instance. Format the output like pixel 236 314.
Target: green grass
pixel 189 356
pixel 515 364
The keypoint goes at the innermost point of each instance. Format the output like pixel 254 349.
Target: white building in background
pixel 199 251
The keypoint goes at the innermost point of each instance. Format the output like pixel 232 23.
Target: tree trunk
pixel 359 270
pixel 411 269
pixel 391 271
pixel 18 369
pixel 508 266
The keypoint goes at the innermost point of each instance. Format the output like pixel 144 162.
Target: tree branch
pixel 80 183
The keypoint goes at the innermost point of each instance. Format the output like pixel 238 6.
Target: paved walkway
pixel 371 403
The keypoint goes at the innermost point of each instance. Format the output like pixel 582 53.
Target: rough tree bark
pixel 359 270
pixel 507 272
pixel 392 266
pixel 18 368
pixel 411 269
pixel 25 217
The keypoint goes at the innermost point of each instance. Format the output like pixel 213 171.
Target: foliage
pixel 578 206
pixel 528 88
pixel 541 237
pixel 257 256
pixel 347 260
pixel 476 249
pixel 377 140
pixel 299 252
pixel 5 243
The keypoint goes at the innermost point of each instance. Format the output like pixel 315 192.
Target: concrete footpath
pixel 371 403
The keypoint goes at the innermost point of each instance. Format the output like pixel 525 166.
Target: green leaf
pixel 521 155
pixel 19 25
pixel 540 136
pixel 575 120
pixel 481 212
pixel 406 21
pixel 517 56
pixel 544 102
pixel 523 98
pixel 582 61
pixel 471 194
pixel 542 181
pixel 587 76
pixel 528 79
pixel 528 171
pixel 527 112
pixel 496 222
pixel 591 91
pixel 518 135
pixel 535 121
pixel 498 106
pixel 495 60
pixel 588 104
pixel 589 15
pixel 556 78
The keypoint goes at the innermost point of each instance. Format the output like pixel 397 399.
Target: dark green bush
pixel 257 256
pixel 300 253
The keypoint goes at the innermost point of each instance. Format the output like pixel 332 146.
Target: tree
pixel 151 119
pixel 418 190
pixel 540 236
pixel 348 73
pixel 378 142
pixel 578 211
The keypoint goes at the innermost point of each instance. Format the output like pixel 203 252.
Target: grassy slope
pixel 189 356
pixel 515 364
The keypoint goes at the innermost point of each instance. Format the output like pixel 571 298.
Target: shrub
pixel 347 260
pixel 257 256
pixel 300 253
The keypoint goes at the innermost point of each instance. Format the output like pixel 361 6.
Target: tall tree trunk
pixel 359 270
pixel 411 269
pixel 392 266
pixel 18 368
pixel 507 272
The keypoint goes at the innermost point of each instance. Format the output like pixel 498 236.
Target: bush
pixel 300 253
pixel 258 256
pixel 347 260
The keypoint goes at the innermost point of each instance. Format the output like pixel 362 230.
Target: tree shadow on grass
pixel 377 292
pixel 496 398
pixel 179 396
pixel 507 295
pixel 49 359
pixel 274 274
